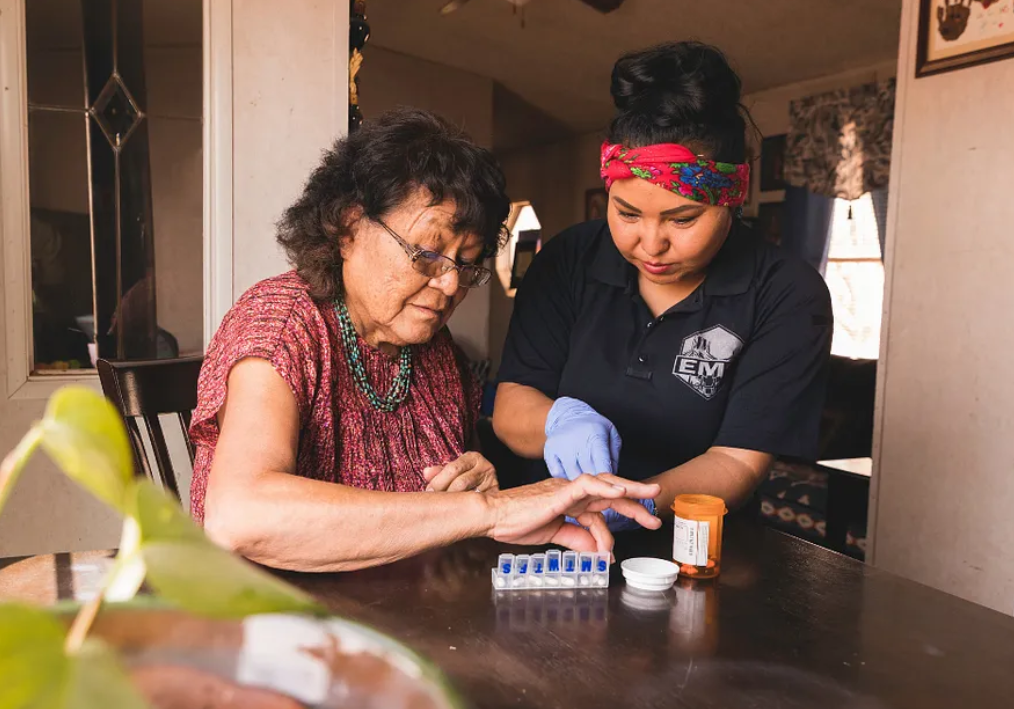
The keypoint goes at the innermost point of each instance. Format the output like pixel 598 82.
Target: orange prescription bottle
pixel 697 535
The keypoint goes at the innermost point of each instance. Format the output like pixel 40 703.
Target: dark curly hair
pixel 376 169
pixel 680 92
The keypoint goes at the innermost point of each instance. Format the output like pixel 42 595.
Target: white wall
pixel 944 481
pixel 290 83
pixel 389 79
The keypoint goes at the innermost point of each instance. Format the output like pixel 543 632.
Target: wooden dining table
pixel 787 625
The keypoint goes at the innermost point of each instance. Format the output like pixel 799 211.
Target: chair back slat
pixel 185 418
pixel 162 460
pixel 137 445
pixel 146 389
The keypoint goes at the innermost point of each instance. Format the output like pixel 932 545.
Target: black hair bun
pixel 677 84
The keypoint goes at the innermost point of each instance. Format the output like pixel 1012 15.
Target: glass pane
pixel 857 298
pixel 60 241
pixel 854 230
pixel 103 182
pixel 54 48
pixel 137 311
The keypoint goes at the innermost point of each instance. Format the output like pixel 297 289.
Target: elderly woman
pixel 335 412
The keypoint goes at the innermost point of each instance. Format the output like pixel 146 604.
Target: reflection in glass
pixel 60 234
pixel 54 48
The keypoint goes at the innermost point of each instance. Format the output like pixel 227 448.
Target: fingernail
pixel 619 487
pixel 429 489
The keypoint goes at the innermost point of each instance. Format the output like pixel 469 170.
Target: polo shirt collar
pixel 730 273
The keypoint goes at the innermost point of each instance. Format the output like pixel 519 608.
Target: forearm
pixel 724 473
pixel 294 523
pixel 519 418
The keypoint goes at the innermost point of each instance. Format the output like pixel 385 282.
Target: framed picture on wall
pixel 954 34
pixel 772 167
pixel 595 203
pixel 524 254
pixel 528 244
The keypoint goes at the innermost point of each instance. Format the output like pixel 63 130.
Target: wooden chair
pixel 144 389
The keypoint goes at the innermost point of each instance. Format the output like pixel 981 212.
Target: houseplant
pixel 209 635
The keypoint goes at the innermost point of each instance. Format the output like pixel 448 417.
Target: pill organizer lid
pixel 649 567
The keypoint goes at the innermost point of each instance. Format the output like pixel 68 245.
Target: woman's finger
pixel 490 483
pixel 628 508
pixel 596 525
pixel 634 490
pixel 479 478
pixel 574 537
pixel 441 482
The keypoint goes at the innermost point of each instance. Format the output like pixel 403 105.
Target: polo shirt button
pixel 641 359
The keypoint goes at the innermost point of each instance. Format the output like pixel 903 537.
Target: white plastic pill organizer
pixel 551 570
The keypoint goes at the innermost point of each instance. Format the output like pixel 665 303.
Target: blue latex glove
pixel 619 523
pixel 580 440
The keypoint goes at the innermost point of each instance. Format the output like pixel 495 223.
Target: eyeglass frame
pixel 416 252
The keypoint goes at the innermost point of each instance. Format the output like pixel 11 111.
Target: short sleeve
pixel 279 325
pixel 538 341
pixel 780 378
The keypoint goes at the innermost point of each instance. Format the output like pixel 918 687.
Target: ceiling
pixel 561 60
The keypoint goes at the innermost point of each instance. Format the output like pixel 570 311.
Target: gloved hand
pixel 619 523
pixel 580 440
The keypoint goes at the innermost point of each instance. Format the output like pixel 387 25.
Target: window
pixel 115 180
pixel 855 277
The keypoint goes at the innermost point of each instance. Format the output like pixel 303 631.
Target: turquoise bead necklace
pixel 399 387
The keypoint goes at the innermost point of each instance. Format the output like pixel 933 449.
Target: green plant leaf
pixel 186 568
pixel 35 673
pixel 84 434
pixel 14 463
pixel 127 574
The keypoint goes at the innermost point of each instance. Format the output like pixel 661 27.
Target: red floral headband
pixel 677 169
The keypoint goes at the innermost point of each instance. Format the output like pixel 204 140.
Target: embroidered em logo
pixel 704 359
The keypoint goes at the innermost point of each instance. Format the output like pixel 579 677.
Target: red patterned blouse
pixel 342 438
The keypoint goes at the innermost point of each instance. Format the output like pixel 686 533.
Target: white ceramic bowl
pixel 650 574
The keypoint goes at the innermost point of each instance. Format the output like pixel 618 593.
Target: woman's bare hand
pixel 534 514
pixel 471 471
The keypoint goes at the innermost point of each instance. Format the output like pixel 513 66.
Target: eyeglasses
pixel 434 265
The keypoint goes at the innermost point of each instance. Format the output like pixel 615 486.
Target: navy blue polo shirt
pixel 741 362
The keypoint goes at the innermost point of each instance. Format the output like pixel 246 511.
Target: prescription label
pixel 690 542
